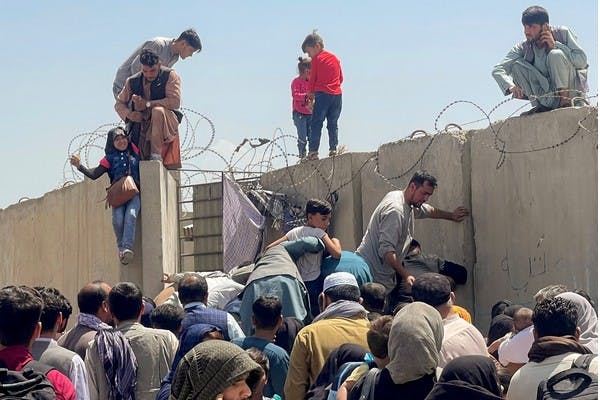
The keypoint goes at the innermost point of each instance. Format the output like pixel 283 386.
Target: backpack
pixel 574 383
pixel 344 372
pixel 29 384
pixel 366 384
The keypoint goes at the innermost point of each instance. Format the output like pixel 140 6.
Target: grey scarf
pixel 342 309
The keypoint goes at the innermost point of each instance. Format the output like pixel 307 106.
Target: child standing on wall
pixel 122 158
pixel 318 218
pixel 325 89
pixel 301 105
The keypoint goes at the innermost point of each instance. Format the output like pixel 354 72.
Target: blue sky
pixel 403 63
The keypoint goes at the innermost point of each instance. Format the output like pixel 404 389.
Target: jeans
pixel 123 220
pixel 302 122
pixel 326 106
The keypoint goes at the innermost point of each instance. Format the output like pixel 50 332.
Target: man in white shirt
pixel 460 337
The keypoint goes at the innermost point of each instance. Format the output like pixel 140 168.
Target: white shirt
pixel 460 339
pixel 309 265
pixel 515 349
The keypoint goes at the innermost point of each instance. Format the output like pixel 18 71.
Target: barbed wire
pixel 256 156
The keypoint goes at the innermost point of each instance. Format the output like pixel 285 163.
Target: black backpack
pixel 29 384
pixel 573 383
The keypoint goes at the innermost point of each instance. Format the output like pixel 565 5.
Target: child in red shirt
pixel 301 106
pixel 325 88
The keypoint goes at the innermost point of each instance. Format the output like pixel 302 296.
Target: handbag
pixel 123 190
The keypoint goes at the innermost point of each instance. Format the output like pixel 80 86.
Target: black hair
pixel 192 287
pixel 20 310
pixel 304 63
pixel 414 243
pixel 90 297
pixel 191 38
pixel 373 295
pixel 535 15
pixel 420 177
pixel 555 317
pixel 499 307
pixel 317 206
pixel 266 311
pixel 125 301
pixel 378 336
pixel 167 316
pixel 311 40
pixel 149 58
pixel 343 292
pixel 256 375
pixel 54 304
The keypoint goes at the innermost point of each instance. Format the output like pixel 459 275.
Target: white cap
pixel 339 278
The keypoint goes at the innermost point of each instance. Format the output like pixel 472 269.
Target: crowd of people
pixel 307 319
pixel 125 346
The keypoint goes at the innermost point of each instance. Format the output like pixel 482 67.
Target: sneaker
pixel 126 256
pixel 332 153
pixel 155 157
pixel 312 156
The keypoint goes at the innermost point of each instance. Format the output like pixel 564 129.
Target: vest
pixel 204 315
pixel 119 165
pixel 158 86
pixel 53 355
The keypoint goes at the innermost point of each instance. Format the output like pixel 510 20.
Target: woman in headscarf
pixel 414 345
pixel 466 378
pixel 587 321
pixel 213 370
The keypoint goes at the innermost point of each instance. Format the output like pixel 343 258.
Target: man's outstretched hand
pixel 459 214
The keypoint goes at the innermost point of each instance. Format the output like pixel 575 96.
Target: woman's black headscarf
pixel 110 138
pixel 466 378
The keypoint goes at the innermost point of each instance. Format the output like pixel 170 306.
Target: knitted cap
pixel 431 288
pixel 209 368
pixel 339 278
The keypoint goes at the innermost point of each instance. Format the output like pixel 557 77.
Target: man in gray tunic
pixel 389 232
pixel 169 51
pixel 548 68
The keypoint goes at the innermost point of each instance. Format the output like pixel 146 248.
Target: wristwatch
pixel 148 104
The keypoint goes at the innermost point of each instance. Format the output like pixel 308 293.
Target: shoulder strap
pixel 368 387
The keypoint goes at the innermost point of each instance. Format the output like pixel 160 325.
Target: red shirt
pixel 326 74
pixel 15 358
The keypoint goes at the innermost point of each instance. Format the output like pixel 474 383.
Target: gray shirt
pixel 390 229
pixel 162 47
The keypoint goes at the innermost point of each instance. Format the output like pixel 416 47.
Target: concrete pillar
pixel 159 231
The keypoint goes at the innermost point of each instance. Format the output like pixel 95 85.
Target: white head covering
pixel 415 342
pixel 339 278
pixel 587 321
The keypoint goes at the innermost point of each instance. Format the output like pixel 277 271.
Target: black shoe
pixel 537 109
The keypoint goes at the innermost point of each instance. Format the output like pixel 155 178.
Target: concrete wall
pixel 65 238
pixel 316 179
pixel 535 217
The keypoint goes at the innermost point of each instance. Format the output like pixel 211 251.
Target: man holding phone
pixel 548 68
